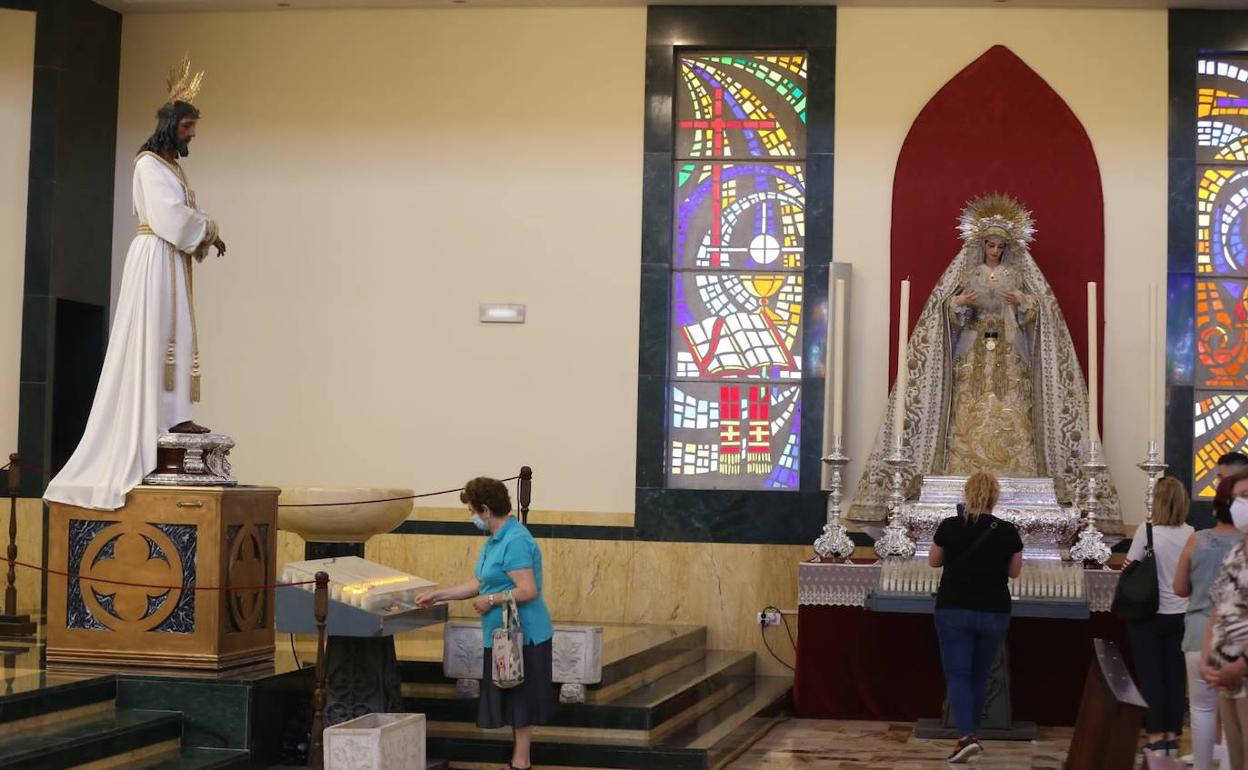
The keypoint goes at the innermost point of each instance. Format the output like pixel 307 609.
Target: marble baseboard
pixel 718 585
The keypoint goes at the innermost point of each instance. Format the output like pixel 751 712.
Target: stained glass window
pixel 1222 110
pixel 738 247
pixel 1222 170
pixel 1220 422
pixel 1220 426
pixel 1221 333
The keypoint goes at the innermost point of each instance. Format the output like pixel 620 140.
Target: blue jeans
pixel 969 640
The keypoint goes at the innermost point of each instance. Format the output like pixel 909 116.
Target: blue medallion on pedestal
pixel 131 575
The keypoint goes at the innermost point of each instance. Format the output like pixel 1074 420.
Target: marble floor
pixel 836 745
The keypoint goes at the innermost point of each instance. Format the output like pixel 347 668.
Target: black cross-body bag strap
pixel 978 541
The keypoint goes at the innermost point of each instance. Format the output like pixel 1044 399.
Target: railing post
pixel 525 493
pixel 316 753
pixel 12 624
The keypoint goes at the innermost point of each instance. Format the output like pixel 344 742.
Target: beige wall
pixel 377 174
pixel 17 72
pixel 1110 67
pixel 373 188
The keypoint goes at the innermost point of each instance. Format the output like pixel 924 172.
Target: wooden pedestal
pixel 186 537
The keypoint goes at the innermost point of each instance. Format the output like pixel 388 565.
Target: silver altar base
pixel 853 585
pixel 204 460
pixel 1031 505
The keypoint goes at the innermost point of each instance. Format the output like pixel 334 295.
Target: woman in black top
pixel 979 553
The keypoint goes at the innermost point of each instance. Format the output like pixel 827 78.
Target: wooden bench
pixel 1111 712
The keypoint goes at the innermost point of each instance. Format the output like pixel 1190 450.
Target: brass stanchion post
pixel 11 623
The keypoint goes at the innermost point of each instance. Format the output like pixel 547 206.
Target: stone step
pixel 732 728
pixel 197 759
pixel 69 744
pixel 707 742
pixel 39 699
pixel 633 656
pixel 654 709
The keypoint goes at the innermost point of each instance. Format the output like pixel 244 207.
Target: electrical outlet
pixel 769 618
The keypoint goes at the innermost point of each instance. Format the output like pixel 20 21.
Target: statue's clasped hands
pixel 966 298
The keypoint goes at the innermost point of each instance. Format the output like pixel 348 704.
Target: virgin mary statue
pixel 994 384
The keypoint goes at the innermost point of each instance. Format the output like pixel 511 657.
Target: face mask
pixel 1239 514
pixel 481 523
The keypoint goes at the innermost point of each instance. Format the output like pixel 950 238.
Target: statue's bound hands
pixel 966 298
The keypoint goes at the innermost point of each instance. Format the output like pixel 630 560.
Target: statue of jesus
pixel 151 372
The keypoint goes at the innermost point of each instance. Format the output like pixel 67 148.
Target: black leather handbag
pixel 1138 594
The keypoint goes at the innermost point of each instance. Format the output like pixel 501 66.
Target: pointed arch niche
pixel 997 126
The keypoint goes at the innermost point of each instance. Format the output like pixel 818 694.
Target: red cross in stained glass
pixel 718 128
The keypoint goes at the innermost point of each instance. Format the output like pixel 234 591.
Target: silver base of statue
pixel 895 543
pixel 835 541
pixel 1091 549
pixel 205 461
pixel 1046 526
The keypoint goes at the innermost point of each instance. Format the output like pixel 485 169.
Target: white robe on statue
pixel 132 407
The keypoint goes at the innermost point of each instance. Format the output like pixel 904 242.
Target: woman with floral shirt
pixel 1226 635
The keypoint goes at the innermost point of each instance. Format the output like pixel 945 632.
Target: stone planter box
pixel 377 742
pixel 577 657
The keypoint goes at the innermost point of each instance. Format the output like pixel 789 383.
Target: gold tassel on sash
pixel 171 347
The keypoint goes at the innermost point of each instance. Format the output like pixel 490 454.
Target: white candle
pixel 903 375
pixel 1159 342
pixel 1093 405
pixel 1152 362
pixel 838 360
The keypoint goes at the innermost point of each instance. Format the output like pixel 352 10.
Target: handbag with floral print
pixel 508 645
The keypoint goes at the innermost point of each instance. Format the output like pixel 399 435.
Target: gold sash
pixel 170 357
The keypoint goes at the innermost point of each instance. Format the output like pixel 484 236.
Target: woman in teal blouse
pixel 510 563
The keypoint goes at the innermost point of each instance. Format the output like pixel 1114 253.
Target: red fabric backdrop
pixel 998 127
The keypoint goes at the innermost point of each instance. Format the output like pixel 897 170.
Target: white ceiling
pixel 176 6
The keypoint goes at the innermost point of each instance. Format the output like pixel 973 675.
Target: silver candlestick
pixel 1090 547
pixel 894 543
pixel 1154 467
pixel 835 538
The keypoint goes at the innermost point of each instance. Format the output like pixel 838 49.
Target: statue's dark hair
pixel 165 137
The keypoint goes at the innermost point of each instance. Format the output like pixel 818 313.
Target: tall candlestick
pixel 1093 387
pixel 1152 363
pixel 837 373
pixel 903 374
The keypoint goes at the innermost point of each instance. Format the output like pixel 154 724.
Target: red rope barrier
pixel 58 572
pixel 383 500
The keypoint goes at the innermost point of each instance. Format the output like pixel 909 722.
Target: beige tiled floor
pixel 835 745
